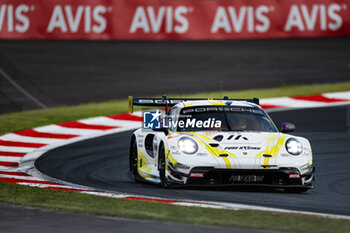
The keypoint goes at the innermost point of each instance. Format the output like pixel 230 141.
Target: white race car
pixel 218 143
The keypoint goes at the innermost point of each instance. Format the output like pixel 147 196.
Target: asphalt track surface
pixel 33 220
pixel 37 74
pixel 103 163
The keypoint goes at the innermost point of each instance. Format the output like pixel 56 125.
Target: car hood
pixel 245 150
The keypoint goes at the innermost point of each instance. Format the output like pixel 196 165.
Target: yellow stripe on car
pixel 280 143
pixel 269 145
pixel 273 150
pixel 205 138
pixel 228 165
pixel 144 169
pixel 310 161
pixel 214 151
pixel 171 158
pixel 168 156
pixel 188 105
pixel 216 103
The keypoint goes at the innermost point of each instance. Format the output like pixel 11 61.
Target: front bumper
pixel 278 178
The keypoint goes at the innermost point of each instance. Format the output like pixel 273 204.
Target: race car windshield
pixel 224 119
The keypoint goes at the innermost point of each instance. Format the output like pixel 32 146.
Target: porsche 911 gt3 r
pixel 218 142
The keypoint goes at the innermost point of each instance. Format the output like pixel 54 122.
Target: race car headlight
pixel 293 146
pixel 187 145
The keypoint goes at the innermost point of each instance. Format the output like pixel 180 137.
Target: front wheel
pixel 133 159
pixel 162 167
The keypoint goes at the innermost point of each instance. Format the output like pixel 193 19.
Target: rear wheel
pixel 296 190
pixel 162 167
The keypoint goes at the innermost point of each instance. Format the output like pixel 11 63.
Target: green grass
pixel 83 203
pixel 76 202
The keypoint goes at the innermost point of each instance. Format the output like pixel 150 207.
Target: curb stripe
pixel 13 154
pixel 36 134
pixel 8 164
pixel 27 178
pixel 79 125
pixel 110 122
pixel 9 159
pixel 338 95
pixel 65 189
pixel 16 149
pixel 290 102
pixel 63 130
pixel 319 98
pixel 126 116
pixel 267 106
pixel 51 185
pixel 19 138
pixel 13 173
pixel 151 199
pixel 14 181
pixel 21 144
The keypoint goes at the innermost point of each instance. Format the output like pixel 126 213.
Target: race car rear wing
pixel 165 102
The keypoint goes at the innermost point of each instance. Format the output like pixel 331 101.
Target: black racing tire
pixel 162 167
pixel 296 190
pixel 133 159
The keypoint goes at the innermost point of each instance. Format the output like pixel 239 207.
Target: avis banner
pixel 173 19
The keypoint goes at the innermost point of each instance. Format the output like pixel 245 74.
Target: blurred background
pixel 66 53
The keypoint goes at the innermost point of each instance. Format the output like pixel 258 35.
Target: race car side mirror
pixel 287 127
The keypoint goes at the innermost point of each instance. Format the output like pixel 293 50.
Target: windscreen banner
pixel 173 19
